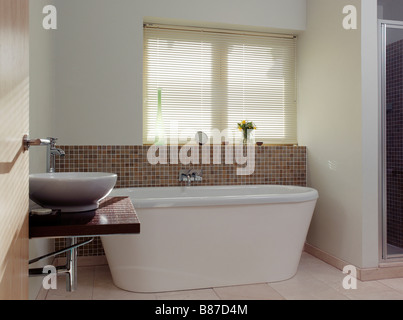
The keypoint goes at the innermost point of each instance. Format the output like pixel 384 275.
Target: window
pixel 215 79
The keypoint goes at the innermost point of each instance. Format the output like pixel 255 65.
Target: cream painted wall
pixel 98 57
pixel 337 121
pixel 329 121
pixel 41 84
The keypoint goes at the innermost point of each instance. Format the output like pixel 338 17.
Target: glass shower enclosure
pixel 391 71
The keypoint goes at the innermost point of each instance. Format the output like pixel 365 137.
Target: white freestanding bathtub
pixel 201 237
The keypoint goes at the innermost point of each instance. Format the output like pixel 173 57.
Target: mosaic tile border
pixel 273 165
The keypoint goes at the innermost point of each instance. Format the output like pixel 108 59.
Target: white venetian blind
pixel 215 79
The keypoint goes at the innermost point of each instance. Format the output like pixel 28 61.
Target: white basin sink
pixel 70 191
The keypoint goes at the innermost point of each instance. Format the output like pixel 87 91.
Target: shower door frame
pixel 383 25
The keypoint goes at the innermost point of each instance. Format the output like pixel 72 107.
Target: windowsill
pixel 223 144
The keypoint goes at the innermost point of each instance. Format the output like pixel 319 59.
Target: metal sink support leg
pixel 70 269
pixel 71 265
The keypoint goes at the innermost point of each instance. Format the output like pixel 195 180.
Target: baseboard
pixel 328 258
pixel 383 271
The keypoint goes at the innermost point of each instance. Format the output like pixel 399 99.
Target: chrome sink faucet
pixel 51 153
pixel 51 150
pixel 190 175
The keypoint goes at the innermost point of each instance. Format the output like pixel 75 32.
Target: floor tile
pixel 306 287
pixel 315 280
pixel 260 291
pixel 201 294
pixel 396 283
pixel 373 290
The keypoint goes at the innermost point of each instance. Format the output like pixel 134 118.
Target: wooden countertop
pixel 115 215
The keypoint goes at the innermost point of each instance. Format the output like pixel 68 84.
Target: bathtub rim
pixel 300 194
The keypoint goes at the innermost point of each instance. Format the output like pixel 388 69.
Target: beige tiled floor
pixel 314 280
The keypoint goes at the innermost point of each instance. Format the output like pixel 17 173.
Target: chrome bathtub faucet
pixel 190 175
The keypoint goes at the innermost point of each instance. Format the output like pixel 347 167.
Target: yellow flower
pixel 243 121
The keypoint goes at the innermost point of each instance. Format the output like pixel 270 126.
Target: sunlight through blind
pixel 213 80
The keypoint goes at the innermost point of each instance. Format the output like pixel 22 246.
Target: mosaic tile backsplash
pixel 282 165
pixel 273 165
